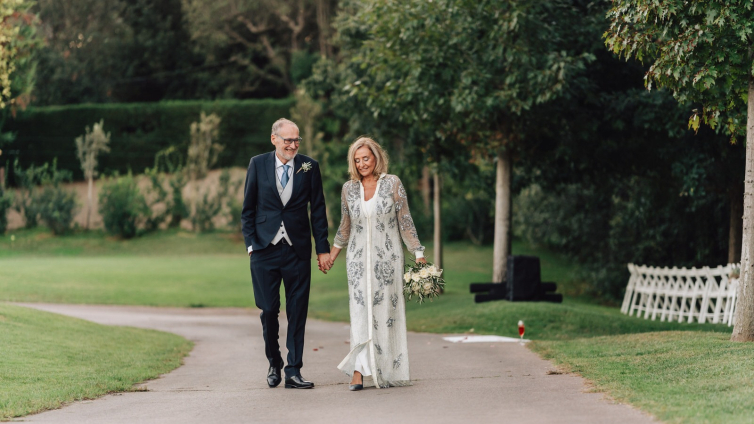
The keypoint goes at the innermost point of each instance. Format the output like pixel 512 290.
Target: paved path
pixel 223 380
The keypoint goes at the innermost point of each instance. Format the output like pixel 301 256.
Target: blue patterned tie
pixel 284 178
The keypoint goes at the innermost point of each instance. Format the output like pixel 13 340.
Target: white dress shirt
pixel 279 169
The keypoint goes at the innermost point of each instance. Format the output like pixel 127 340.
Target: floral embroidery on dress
pixel 388 243
pixel 358 296
pixel 390 322
pixel 394 300
pixel 378 298
pixel 384 272
pixel 386 207
pixel 359 228
pixel 397 362
pixel 355 271
pixel 391 223
pixel 378 349
pixel 386 187
pixel 374 322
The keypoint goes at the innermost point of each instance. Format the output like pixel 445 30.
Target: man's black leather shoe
pixel 273 376
pixel 298 382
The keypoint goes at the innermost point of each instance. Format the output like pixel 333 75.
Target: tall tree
pixel 270 40
pixel 18 41
pixel 704 52
pixel 115 50
pixel 460 74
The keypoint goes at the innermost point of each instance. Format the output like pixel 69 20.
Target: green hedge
pixel 140 130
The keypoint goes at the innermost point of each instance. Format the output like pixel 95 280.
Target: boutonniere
pixel 306 166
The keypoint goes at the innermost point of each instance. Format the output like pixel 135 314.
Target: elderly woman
pixel 375 214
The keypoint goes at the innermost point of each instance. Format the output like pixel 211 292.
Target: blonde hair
pixel 381 158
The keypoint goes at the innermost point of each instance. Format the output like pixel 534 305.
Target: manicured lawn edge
pixel 50 360
pixel 688 377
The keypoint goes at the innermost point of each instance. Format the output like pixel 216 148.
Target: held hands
pixel 421 261
pixel 327 260
pixel 324 263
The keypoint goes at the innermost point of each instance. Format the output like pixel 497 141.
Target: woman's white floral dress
pixel 374 262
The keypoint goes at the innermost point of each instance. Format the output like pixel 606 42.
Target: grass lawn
pixel 677 376
pixel 49 359
pixel 664 368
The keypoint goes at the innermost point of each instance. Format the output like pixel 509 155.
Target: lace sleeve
pixel 344 230
pixel 405 222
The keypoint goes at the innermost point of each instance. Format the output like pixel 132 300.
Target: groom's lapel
pixel 298 177
pixel 272 177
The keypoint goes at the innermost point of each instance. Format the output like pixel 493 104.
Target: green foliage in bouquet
pixel 423 280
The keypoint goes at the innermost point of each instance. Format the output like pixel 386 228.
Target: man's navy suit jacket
pixel 263 211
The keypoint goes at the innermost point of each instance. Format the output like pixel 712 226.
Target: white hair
pixel 280 123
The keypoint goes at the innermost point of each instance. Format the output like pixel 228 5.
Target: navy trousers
pixel 268 267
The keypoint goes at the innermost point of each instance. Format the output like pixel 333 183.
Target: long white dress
pixel 374 263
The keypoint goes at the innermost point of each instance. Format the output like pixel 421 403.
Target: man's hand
pixel 323 262
pixel 251 253
pixel 421 261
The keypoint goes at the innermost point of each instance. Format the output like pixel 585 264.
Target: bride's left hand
pixel 421 261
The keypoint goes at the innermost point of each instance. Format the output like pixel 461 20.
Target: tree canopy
pixel 699 49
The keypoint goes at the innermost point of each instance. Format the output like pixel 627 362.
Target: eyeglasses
pixel 289 141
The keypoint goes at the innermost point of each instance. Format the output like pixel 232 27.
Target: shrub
pixel 170 162
pixel 177 208
pixel 30 181
pixel 122 206
pixel 57 208
pixel 157 200
pixel 207 207
pixel 203 149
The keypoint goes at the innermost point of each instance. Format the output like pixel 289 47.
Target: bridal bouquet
pixel 423 281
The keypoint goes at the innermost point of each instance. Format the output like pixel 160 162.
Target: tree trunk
pixel 438 219
pixel 89 201
pixel 426 189
pixel 736 195
pixel 501 244
pixel 743 330
pixel 323 23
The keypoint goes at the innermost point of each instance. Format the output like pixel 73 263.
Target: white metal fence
pixel 701 294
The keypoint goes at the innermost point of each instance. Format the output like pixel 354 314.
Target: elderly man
pixel 279 187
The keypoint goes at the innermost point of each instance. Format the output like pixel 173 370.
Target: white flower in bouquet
pixel 423 281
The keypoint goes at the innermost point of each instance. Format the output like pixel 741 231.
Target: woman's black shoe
pixel 356 387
